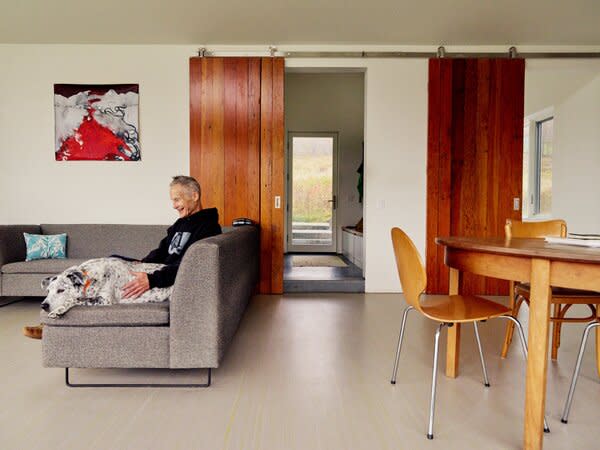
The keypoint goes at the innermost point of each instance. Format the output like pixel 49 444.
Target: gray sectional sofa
pixel 192 329
pixel 23 278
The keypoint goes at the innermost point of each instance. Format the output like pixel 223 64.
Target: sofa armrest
pixel 12 243
pixel 216 278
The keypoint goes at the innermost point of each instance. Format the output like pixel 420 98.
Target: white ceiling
pixel 247 22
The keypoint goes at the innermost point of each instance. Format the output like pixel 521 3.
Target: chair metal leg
pixel 485 376
pixel 400 338
pixel 524 350
pixel 588 328
pixel 434 380
pixel 510 326
pixel 508 334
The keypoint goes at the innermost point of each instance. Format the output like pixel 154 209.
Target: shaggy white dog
pixel 97 282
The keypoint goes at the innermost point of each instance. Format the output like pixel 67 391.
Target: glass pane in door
pixel 312 191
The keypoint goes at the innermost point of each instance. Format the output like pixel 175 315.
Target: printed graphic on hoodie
pixel 178 242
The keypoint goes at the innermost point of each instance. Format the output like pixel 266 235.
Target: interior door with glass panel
pixel 312 192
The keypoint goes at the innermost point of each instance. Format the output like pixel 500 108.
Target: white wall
pixel 576 160
pixel 549 82
pixel 36 189
pixel 332 102
pixel 572 89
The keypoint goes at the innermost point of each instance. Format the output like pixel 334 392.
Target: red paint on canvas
pixel 92 141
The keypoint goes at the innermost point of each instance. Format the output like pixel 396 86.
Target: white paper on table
pixel 587 241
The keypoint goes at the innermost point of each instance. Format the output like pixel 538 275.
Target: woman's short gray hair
pixel 188 183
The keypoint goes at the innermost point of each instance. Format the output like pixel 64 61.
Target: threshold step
pixel 342 285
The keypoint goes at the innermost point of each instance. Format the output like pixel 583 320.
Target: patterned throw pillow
pixel 45 246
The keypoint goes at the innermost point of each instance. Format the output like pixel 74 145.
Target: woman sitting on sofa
pixel 194 223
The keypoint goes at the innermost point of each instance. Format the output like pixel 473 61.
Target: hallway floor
pixel 322 279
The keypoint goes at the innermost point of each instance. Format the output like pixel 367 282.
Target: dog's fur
pixel 97 282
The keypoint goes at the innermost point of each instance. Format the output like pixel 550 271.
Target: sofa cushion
pixel 24 284
pixel 49 266
pixel 134 315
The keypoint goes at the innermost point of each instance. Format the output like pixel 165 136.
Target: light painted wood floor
pixel 304 372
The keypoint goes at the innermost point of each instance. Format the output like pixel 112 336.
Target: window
pixel 543 155
pixel 537 165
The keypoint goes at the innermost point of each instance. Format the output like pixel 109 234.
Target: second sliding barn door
pixel 474 158
pixel 236 148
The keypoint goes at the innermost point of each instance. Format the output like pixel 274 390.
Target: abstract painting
pixel 96 122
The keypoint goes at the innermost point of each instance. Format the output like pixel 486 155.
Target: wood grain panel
pixel 487 88
pixel 224 134
pixel 475 157
pixel 253 195
pixel 236 147
pixel 445 167
pixel 433 150
pixel 195 114
pixel 459 139
pixel 212 173
pixel 207 150
pixel 232 127
pixel 272 174
pixel 266 166
pixel 278 176
pixel 204 125
pixel 438 171
pixel 242 156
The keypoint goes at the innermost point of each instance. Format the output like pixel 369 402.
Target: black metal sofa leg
pixel 142 385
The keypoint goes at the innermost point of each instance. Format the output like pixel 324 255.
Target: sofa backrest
pixel 12 242
pixel 99 240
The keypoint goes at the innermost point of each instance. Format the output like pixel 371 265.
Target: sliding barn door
pixel 236 148
pixel 271 175
pixel 474 158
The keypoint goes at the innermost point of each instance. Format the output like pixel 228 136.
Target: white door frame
pixel 335 198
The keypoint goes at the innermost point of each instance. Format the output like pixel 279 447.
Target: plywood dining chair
pixel 562 299
pixel 445 309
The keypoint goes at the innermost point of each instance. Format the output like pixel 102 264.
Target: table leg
pixel 453 346
pixel 535 390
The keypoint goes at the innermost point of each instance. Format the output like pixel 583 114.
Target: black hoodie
pixel 180 236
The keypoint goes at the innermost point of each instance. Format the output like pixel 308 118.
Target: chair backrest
pixel 410 267
pixel 518 228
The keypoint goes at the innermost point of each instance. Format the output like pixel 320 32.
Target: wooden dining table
pixel 542 265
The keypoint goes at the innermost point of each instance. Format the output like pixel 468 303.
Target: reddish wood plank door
pixel 271 175
pixel 236 147
pixel 474 157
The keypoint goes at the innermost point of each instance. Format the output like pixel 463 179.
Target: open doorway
pixel 324 113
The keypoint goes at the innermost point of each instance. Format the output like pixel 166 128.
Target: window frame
pixel 532 192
